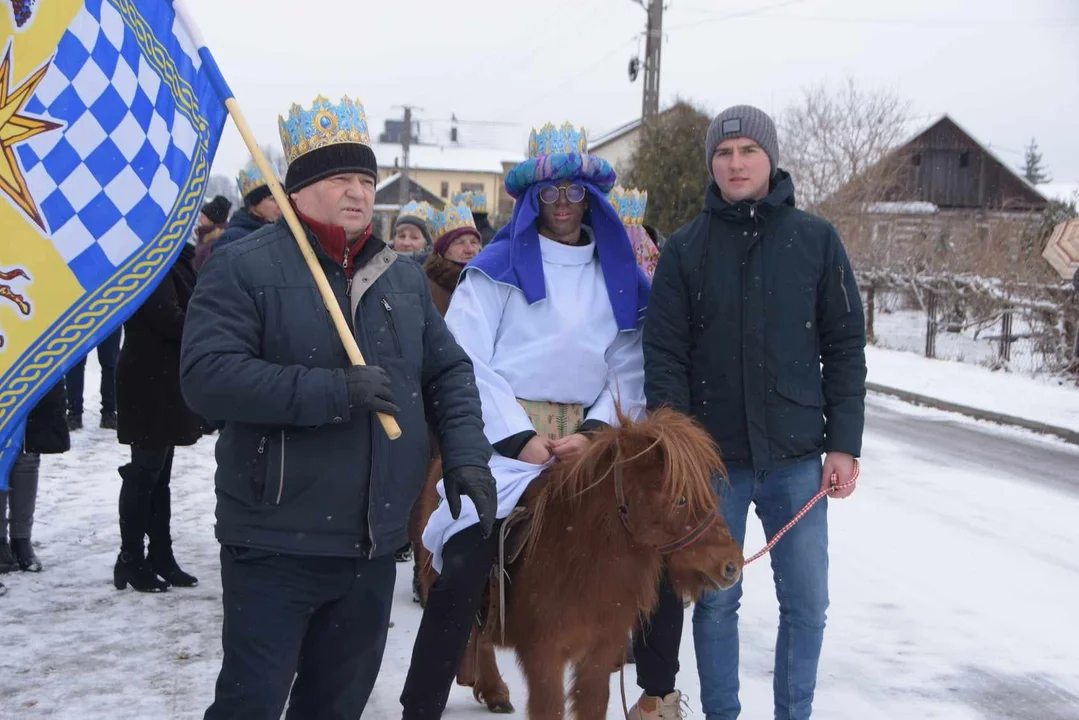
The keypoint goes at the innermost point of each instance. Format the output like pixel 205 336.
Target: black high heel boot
pixel 159 530
pixel 135 571
pixel 24 555
pixel 131 566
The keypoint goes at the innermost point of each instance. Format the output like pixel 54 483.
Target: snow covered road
pixel 955 573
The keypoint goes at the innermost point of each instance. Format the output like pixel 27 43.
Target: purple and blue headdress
pixel 513 257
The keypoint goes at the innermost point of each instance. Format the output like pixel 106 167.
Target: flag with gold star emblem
pixel 110 115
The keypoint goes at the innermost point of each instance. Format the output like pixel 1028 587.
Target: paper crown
pixel 476 201
pixel 250 178
pixel 630 203
pixel 321 126
pixel 556 154
pixel 454 217
pixel 421 210
pixel 549 140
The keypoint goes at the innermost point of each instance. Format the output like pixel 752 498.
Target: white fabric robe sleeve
pixel 473 317
pixel 625 380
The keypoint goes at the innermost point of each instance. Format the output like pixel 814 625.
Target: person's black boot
pixel 3 590
pixel 7 560
pixel 108 420
pixel 24 555
pixel 136 571
pixel 403 553
pixel 131 566
pixel 160 554
pixel 74 422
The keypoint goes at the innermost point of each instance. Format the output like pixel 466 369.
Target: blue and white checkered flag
pixel 110 124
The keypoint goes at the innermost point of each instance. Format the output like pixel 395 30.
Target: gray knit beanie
pixel 743 121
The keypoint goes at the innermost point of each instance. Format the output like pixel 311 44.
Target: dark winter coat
pixel 298 471
pixel 442 277
pixel 150 410
pixel 241 224
pixel 749 301
pixel 46 425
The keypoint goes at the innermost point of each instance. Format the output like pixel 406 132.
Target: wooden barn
pixel 943 202
pixel 944 165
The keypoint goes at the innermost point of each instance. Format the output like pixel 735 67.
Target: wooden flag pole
pixel 389 423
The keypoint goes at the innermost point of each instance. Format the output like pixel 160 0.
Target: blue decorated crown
pixel 556 154
pixel 250 178
pixel 476 201
pixel 454 217
pixel 321 126
pixel 630 204
pixel 549 140
pixel 421 210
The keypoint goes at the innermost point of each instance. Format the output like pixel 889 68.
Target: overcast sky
pixel 1006 70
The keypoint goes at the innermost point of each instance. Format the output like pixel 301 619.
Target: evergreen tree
pixel 1033 169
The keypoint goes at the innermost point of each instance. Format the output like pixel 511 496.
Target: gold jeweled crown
pixel 323 125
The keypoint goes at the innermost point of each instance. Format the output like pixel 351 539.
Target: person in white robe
pixel 550 314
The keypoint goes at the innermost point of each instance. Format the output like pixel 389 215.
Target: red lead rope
pixel 802 513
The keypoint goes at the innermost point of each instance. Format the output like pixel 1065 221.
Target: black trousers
pixel 452 604
pixel 655 646
pixel 323 620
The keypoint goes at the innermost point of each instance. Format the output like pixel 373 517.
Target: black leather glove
pixel 369 389
pixel 477 483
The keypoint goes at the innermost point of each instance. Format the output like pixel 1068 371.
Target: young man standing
pixel 755 328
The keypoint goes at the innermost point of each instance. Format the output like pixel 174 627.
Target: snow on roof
pixel 914 207
pixel 451 158
pixel 1063 191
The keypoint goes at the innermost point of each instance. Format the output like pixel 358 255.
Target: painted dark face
pixel 562 219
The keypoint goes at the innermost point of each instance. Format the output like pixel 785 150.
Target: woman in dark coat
pixel 153 419
pixel 46 433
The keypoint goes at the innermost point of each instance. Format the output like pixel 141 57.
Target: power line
pixel 1037 22
pixel 734 15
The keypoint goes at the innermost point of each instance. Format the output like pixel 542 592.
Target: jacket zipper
pixel 344 269
pixel 843 286
pixel 262 451
pixel 393 328
pixel 281 477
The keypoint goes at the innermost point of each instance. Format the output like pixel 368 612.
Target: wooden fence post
pixel 931 324
pixel 1006 336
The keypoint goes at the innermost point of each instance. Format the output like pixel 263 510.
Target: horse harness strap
pixel 682 543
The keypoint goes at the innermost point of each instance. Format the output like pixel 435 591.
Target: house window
pixel 445 191
pixel 916 159
pixel 472 187
pixel 964 159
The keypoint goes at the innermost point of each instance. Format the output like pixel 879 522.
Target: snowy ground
pixel 954 577
pixel 1042 399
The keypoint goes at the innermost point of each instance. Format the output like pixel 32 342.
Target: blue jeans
pixel 800 568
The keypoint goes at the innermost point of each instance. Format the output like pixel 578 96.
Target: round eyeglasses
pixel 549 195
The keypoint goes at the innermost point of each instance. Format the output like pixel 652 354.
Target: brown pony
pixel 602 529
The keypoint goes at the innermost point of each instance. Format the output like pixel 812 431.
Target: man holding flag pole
pixel 110 115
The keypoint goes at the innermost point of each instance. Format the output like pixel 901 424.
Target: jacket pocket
pixel 275 470
pixel 800 390
pixel 390 324
pixel 257 477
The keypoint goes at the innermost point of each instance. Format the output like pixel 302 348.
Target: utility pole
pixel 403 184
pixel 653 46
